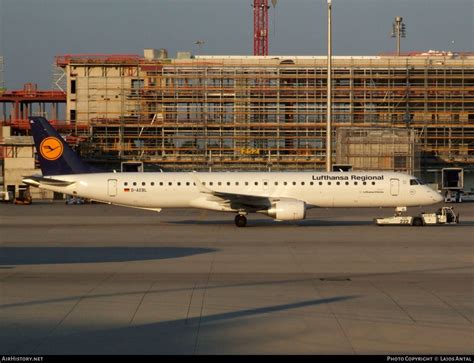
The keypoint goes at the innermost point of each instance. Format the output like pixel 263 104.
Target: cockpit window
pixel 416 182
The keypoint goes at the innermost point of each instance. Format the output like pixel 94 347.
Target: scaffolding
pixel 378 148
pixel 246 112
pixel 19 104
pixel 58 82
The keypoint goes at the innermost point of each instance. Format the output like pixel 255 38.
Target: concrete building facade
pixel 17 156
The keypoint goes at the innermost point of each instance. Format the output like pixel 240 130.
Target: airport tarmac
pixel 99 279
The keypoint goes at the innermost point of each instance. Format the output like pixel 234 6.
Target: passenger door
pixel 394 187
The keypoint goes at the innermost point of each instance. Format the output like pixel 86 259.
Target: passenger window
pixel 355 183
pixel 152 184
pixel 170 183
pixel 179 183
pixel 134 183
pixel 228 183
pixel 187 183
pixel 320 183
pixel 338 183
pixel 211 183
pixel 219 183
pixel 373 183
pixel 365 183
pixel 246 183
pixel 347 183
pixel 276 183
pixel 311 183
pixel 236 183
pixel 256 183
pixel 329 183
pixel 294 183
pixel 125 183
pixel 204 183
pixel 265 183
pixel 161 183
pixel 143 183
pixel 285 183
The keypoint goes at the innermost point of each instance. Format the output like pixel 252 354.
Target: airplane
pixel 284 196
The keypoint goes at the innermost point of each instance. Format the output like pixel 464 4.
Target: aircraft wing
pixel 244 201
pixel 236 200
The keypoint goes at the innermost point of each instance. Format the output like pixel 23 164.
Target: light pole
pixel 398 31
pixel 329 94
pixel 199 43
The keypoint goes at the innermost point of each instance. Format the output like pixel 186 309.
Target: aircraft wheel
pixel 417 221
pixel 240 220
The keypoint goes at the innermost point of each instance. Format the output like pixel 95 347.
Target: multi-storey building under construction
pixel 247 112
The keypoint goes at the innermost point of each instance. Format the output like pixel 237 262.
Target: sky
pixel 33 32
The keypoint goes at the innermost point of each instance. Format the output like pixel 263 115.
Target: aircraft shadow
pixel 466 223
pixel 179 336
pixel 304 223
pixel 65 255
pixel 262 222
pixel 323 277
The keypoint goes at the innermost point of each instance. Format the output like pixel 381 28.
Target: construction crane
pixel 260 26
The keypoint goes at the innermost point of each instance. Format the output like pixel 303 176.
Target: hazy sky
pixel 32 32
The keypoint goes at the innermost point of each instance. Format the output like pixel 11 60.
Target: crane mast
pixel 260 27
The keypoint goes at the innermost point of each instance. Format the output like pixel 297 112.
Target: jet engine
pixel 288 210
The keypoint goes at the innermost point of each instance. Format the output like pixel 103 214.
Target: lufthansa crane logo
pixel 51 148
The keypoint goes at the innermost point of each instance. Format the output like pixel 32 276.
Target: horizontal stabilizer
pixel 35 181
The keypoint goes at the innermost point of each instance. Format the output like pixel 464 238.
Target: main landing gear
pixel 240 220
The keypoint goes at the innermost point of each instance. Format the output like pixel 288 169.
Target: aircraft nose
pixel 433 195
pixel 438 197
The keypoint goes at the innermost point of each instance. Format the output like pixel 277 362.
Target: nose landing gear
pixel 240 220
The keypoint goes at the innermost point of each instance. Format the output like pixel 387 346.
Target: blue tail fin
pixel 55 156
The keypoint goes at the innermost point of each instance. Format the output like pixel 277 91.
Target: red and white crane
pixel 260 26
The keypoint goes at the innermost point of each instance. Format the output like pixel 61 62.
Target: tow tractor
pixel 444 215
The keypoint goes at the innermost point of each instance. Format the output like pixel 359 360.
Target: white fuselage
pixel 185 190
